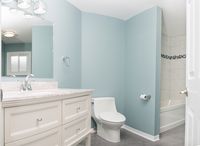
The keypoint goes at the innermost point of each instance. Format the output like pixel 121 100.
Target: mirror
pixel 27 44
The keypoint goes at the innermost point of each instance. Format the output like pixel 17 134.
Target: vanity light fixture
pixel 9 34
pixel 24 4
pixel 7 1
pixel 39 7
pixel 30 7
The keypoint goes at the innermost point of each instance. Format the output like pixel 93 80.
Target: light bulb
pixel 39 8
pixel 24 4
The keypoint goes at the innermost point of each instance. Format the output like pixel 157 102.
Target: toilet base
pixel 111 134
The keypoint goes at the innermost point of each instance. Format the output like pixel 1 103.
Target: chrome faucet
pixel 26 85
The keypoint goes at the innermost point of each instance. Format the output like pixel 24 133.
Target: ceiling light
pixel 7 1
pixel 24 4
pixel 9 34
pixel 39 8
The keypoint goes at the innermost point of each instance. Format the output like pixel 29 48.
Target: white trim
pixel 171 125
pixel 141 133
pixel 172 107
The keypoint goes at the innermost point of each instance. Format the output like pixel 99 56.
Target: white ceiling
pixel 174 11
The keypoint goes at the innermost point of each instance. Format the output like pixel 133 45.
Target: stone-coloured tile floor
pixel 174 137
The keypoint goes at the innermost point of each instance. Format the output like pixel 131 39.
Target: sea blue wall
pixel 103 45
pixel 17 47
pixel 42 51
pixel 20 47
pixel 66 21
pixel 142 61
pixel 117 58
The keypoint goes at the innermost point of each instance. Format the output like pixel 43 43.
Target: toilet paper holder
pixel 145 97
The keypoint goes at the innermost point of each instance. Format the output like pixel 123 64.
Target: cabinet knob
pixel 39 119
pixel 184 92
pixel 78 109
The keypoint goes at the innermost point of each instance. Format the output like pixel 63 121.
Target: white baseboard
pixel 141 133
pixel 171 125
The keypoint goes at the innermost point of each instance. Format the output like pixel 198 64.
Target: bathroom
pixel 62 54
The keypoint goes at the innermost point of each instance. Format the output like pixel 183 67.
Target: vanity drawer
pixel 25 121
pixel 49 138
pixel 75 129
pixel 74 108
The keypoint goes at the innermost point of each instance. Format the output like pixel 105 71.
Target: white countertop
pixel 17 98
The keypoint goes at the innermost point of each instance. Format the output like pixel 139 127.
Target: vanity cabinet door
pixel 75 130
pixel 75 108
pixel 50 138
pixel 24 121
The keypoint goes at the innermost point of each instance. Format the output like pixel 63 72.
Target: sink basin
pixel 26 94
pixel 17 95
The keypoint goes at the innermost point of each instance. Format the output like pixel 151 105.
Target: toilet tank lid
pixel 112 117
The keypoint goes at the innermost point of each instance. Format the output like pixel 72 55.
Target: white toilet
pixel 108 120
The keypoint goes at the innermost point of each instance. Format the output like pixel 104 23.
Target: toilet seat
pixel 114 117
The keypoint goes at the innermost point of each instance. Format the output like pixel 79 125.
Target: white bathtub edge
pixel 171 107
pixel 171 125
pixel 141 133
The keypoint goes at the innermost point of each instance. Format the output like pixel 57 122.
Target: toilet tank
pixel 103 104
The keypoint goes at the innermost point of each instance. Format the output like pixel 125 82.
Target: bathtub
pixel 172 116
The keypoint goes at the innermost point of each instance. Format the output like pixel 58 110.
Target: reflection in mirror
pixel 18 63
pixel 27 43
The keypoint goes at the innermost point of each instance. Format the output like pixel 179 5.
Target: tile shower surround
pixel 173 65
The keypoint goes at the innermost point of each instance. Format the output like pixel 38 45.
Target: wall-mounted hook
pixel 66 60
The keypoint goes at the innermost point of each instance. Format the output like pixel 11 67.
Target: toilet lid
pixel 112 117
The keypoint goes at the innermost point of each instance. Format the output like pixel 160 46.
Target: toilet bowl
pixel 108 120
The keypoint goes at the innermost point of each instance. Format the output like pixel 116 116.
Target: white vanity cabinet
pixel 75 107
pixel 25 121
pixel 49 138
pixel 66 121
pixel 74 130
pixel 76 119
